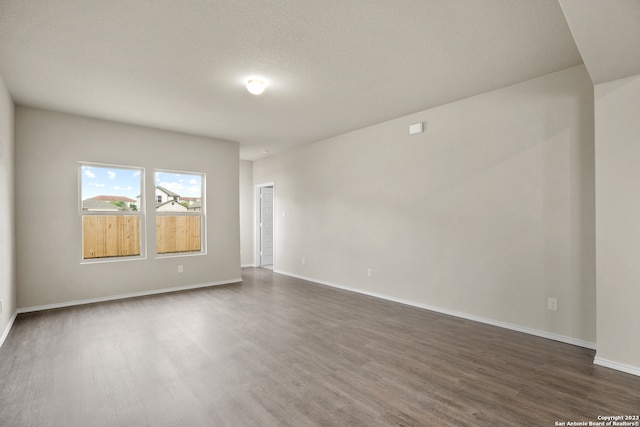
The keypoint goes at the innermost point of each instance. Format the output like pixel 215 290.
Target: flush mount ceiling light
pixel 255 86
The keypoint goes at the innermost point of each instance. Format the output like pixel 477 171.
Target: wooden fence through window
pixel 178 233
pixel 119 235
pixel 111 235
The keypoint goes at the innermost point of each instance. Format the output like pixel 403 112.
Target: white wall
pixel 617 120
pixel 487 213
pixel 247 213
pixel 7 215
pixel 48 230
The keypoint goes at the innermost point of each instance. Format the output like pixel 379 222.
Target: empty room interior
pixel 297 212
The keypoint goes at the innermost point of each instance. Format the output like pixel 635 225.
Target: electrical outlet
pixel 369 272
pixel 180 269
pixel 552 304
pixel 1 305
pixel 304 261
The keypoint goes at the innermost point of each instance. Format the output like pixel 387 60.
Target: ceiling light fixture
pixel 255 86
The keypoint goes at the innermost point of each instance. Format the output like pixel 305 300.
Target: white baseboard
pixel 633 370
pixel 5 334
pixel 123 296
pixel 505 325
pixel 248 265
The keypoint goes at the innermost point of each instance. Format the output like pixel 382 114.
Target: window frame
pixel 201 214
pixel 140 212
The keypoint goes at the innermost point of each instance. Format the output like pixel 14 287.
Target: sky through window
pixel 110 181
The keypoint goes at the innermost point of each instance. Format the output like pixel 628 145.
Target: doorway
pixel 264 225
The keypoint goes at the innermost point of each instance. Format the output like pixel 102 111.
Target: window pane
pixel 111 211
pixel 107 236
pixel 179 218
pixel 183 188
pixel 110 189
pixel 176 234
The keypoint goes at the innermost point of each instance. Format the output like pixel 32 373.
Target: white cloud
pixel 136 174
pixel 193 191
pixel 187 185
pixel 111 174
pixel 89 174
pixel 176 187
pixel 117 187
pixel 100 185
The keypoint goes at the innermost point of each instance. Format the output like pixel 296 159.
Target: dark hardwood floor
pixel 278 351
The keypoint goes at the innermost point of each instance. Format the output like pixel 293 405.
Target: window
pixel 111 201
pixel 180 216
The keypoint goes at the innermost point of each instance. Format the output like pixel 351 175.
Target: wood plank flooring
pixel 278 351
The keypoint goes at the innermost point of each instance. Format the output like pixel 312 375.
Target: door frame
pixel 256 222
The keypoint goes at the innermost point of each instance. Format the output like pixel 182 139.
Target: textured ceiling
pixel 332 66
pixel 608 36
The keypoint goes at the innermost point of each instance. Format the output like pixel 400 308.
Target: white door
pixel 266 226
